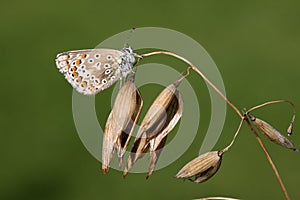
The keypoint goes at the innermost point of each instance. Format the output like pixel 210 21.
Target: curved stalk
pixel 235 135
pixel 245 119
pixel 272 102
pixel 290 128
pixel 198 72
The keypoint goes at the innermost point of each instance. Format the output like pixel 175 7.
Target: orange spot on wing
pixel 75 74
pixel 78 62
pixel 84 84
pixel 83 56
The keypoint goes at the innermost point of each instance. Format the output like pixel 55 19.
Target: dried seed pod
pixel 290 128
pixel 121 122
pixel 201 168
pixel 159 120
pixel 271 133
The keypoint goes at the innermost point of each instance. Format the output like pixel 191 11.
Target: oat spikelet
pixel 159 120
pixel 121 122
pixel 271 133
pixel 201 168
pixel 290 128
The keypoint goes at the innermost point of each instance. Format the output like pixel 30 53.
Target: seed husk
pixel 121 122
pixel 290 128
pixel 159 120
pixel 271 133
pixel 201 168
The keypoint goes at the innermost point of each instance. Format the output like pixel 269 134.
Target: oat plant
pixel 91 71
pixel 206 165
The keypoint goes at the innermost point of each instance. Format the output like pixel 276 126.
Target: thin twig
pixel 273 102
pixel 269 159
pixel 235 135
pixel 233 107
pixel 198 72
pixel 290 128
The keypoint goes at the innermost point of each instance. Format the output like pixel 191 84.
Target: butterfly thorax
pixel 127 60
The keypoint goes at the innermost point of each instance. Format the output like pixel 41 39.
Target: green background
pixel 255 45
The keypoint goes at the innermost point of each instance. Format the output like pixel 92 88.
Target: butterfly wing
pixel 90 71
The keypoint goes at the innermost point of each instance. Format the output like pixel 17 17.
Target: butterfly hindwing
pixel 90 71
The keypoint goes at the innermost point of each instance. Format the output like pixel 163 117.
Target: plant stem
pixel 290 128
pixel 268 158
pixel 246 120
pixel 234 137
pixel 198 72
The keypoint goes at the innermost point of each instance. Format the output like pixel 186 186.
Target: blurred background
pixel 255 45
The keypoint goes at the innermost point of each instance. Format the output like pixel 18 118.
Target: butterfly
pixel 93 70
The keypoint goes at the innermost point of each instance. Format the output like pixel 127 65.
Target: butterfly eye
pixel 128 50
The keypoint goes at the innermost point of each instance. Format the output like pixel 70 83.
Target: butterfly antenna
pixel 128 37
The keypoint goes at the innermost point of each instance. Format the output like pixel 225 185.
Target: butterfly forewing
pixel 90 71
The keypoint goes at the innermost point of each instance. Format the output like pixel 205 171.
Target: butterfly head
pixel 128 54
